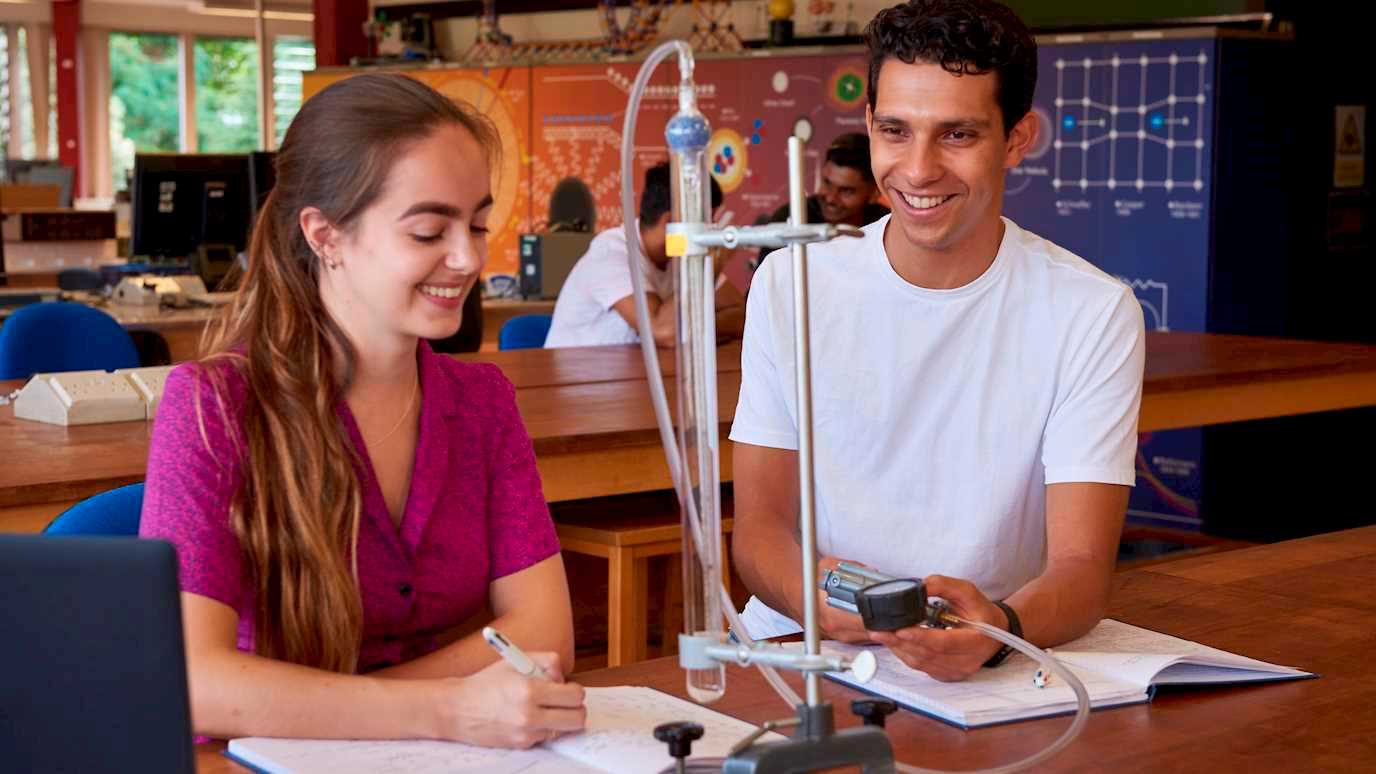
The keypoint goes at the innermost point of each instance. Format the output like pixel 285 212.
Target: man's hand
pixel 948 654
pixel 835 623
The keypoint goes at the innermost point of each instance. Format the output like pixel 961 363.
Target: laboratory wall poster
pixel 1121 175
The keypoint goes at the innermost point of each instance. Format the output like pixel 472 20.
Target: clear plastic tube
pixel 693 455
pixel 1057 668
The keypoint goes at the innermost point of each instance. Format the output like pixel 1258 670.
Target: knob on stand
pixel 680 737
pixel 873 711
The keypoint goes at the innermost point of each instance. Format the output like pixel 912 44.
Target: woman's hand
pixel 496 707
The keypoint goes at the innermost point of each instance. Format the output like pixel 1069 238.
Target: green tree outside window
pixel 226 95
pixel 144 113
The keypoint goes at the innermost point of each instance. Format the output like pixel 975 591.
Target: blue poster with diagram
pixel 1121 175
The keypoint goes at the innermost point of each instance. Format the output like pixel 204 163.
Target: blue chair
pixel 115 512
pixel 63 336
pixel 526 331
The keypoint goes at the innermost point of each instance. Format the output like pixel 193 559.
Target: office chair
pixel 79 279
pixel 63 336
pixel 115 512
pixel 526 331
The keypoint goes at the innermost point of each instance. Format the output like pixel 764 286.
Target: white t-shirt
pixel 583 314
pixel 940 416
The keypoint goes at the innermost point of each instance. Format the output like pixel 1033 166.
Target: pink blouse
pixel 475 511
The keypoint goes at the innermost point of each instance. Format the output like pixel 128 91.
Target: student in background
pixel 596 305
pixel 846 192
pixel 341 498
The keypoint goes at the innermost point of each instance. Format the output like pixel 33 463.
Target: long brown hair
pixel 298 511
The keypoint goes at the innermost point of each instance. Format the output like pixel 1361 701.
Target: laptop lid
pixel 92 668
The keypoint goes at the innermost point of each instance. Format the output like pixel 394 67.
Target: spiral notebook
pixel 619 738
pixel 1117 662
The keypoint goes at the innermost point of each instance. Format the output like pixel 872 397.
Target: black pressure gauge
pixel 892 605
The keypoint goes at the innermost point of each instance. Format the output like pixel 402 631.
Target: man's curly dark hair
pixel 965 37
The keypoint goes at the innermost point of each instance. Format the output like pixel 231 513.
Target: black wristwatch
pixel 1014 628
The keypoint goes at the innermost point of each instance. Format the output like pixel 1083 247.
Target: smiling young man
pixel 975 387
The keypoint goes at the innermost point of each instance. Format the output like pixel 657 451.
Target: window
pixel 52 97
pixel 144 112
pixel 290 58
pixel 22 94
pixel 5 122
pixel 226 95
pixel 17 106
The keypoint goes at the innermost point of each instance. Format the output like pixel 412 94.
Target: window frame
pixel 99 19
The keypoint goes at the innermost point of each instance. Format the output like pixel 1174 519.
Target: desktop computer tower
pixel 547 258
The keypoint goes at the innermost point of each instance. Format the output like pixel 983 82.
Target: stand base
pixel 817 747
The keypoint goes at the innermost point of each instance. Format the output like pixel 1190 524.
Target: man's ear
pixel 1021 138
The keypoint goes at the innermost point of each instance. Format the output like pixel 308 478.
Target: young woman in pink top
pixel 342 498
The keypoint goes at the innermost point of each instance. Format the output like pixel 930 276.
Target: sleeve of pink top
pixel 193 472
pixel 519 529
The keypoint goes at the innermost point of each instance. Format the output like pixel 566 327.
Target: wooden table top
pixel 1304 603
pixel 495 311
pixel 1184 361
pixel 1192 379
pixel 587 365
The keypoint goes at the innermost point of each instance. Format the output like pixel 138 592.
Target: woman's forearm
pixel 470 653
pixel 237 694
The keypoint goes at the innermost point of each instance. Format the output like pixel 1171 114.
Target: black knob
pixel 873 711
pixel 679 736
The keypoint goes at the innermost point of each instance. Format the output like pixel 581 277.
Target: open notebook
pixel 619 738
pixel 1118 663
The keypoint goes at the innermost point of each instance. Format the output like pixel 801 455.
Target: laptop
pixel 92 668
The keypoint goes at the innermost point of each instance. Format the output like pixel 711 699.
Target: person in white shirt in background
pixel 596 306
pixel 975 387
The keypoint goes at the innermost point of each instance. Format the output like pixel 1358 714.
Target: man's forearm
pixel 664 323
pixel 768 560
pixel 1064 602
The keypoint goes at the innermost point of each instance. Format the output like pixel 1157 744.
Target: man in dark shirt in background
pixel 846 193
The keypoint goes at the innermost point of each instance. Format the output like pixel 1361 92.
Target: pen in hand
pixel 513 655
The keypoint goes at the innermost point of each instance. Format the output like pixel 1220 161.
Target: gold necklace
pixel 409 403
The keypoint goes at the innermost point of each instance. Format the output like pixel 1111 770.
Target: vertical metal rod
pixel 260 34
pixel 802 348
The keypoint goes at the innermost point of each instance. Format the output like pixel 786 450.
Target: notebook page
pixel 1139 655
pixel 621 723
pixel 333 756
pixel 988 696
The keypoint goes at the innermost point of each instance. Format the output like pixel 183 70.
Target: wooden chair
pixel 628 531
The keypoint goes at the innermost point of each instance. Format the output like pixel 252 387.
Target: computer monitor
pixel 262 172
pixel 92 666
pixel 42 172
pixel 183 201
